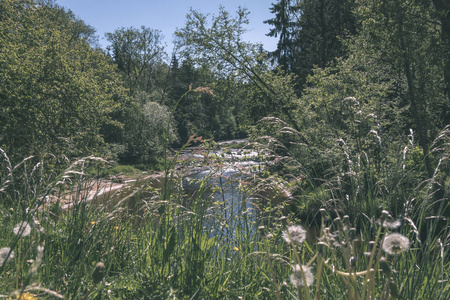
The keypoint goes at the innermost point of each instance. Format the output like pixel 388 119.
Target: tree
pixel 405 32
pixel 78 29
pixel 318 30
pixel 220 48
pixel 310 33
pixel 443 11
pixel 144 131
pixel 284 27
pixel 138 54
pixel 56 91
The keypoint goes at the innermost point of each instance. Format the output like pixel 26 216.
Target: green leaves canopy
pixel 55 90
pixel 138 54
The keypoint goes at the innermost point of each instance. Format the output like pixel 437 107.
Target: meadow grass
pixel 147 243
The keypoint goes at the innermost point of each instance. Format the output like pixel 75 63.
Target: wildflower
pixel 298 234
pixel 22 229
pixel 395 243
pixel 24 296
pixel 297 278
pixel 116 227
pixel 92 222
pixel 4 255
pixel 236 248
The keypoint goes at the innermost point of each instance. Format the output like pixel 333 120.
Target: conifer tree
pixel 283 27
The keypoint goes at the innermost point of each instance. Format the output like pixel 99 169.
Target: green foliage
pixel 355 115
pixel 219 47
pixel 284 27
pixel 345 149
pixel 56 91
pixel 143 133
pixel 310 34
pixel 408 43
pixel 115 170
pixel 153 249
pixel 138 54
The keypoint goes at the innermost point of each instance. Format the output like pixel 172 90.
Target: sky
pixel 167 15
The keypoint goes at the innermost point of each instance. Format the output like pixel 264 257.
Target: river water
pixel 228 175
pixel 223 180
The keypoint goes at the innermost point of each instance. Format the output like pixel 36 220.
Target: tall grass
pixel 167 243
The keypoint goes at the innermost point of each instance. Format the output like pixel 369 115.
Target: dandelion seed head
pixel 392 224
pixel 22 229
pixel 395 243
pixel 298 234
pixel 387 221
pixel 4 255
pixel 297 278
pixel 385 213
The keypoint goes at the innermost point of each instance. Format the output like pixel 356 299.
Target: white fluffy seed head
pixel 22 229
pixel 298 234
pixel 4 252
pixel 395 243
pixel 297 278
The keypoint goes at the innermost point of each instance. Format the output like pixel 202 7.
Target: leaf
pixel 169 247
pixel 206 243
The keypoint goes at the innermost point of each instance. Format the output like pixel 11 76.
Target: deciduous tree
pixel 55 90
pixel 138 54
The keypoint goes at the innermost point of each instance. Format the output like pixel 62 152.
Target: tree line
pixel 343 69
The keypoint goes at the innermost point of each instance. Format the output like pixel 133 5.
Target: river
pixel 229 174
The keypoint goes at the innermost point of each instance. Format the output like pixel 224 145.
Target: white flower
pixel 297 278
pixel 4 255
pixel 395 243
pixel 298 234
pixel 22 229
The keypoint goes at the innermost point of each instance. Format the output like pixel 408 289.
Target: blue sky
pixel 166 15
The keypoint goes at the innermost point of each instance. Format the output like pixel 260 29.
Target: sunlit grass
pixel 143 244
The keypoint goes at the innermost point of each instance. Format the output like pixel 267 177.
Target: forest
pixel 353 108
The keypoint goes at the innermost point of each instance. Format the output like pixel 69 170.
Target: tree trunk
pixel 443 7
